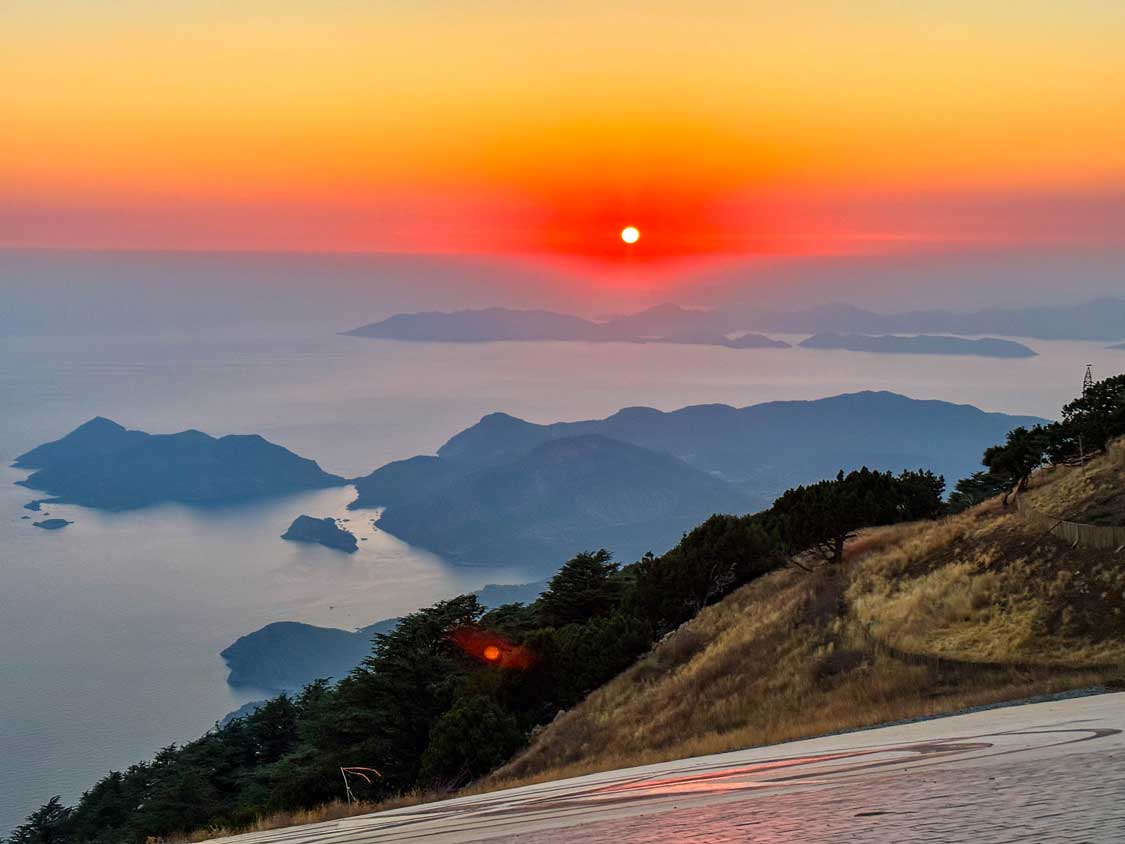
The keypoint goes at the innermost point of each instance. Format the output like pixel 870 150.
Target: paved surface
pixel 1040 772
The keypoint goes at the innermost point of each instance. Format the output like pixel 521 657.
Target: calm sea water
pixel 110 629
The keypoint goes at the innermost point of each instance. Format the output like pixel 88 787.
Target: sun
pixel 630 234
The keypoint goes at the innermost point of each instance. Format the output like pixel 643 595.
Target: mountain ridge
pixel 746 455
pixel 561 496
pixel 1101 319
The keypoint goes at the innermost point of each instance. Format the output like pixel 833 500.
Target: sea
pixel 110 629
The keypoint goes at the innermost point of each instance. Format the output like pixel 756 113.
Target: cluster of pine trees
pixel 454 690
pixel 1088 425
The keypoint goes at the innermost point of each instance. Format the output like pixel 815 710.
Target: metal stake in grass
pixel 362 773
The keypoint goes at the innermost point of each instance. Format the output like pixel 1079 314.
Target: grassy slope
pixel 1096 495
pixel 922 619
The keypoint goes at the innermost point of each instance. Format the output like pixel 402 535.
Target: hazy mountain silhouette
pixel 403 480
pixel 101 464
pixel 789 440
pixel 483 325
pixel 495 491
pixel 921 344
pixel 563 496
pixel 752 341
pixel 1100 319
pixel 711 338
pixel 664 323
pixel 661 321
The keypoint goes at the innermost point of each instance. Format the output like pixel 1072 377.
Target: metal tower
pixel 1088 381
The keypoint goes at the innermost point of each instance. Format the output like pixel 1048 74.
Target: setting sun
pixel 630 234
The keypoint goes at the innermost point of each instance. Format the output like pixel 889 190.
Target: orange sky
pixel 716 127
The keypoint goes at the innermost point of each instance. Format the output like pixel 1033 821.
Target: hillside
pixel 288 655
pixel 922 618
pixel 564 496
pixel 1095 494
pixel 770 446
pixel 101 464
pixel 454 503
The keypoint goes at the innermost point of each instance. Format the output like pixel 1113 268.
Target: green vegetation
pixel 430 709
pixel 819 519
pixel 455 690
pixel 1088 425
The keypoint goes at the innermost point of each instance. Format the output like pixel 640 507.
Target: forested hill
pixel 637 479
pixel 566 494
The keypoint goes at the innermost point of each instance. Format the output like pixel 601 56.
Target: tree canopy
pixel 817 520
pixel 1088 425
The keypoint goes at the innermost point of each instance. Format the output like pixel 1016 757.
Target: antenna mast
pixel 1088 381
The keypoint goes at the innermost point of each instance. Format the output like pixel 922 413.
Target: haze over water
pixel 110 629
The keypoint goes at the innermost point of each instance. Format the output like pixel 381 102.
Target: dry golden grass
pixel 772 663
pixel 922 619
pixel 334 811
pixel 1095 495
pixel 986 586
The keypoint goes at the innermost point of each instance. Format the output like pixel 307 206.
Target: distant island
pixel 1120 347
pixel 510 490
pixel 751 341
pixel 706 338
pixel 288 655
pixel 321 532
pixel 1100 319
pixel 665 324
pixel 921 344
pixel 101 464
pixel 480 325
pixel 52 524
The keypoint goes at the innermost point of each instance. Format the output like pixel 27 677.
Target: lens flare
pixel 492 648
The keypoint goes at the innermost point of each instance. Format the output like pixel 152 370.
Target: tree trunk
pixel 838 551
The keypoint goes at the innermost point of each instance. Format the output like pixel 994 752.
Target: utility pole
pixel 1087 385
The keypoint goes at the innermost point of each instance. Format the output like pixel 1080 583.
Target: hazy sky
pixel 532 127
